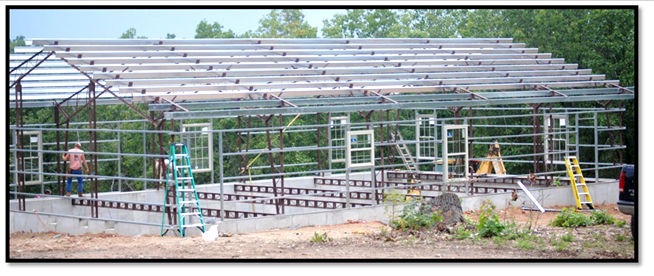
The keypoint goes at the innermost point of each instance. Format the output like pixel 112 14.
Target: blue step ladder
pixel 186 202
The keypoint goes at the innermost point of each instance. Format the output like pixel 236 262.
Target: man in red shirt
pixel 76 156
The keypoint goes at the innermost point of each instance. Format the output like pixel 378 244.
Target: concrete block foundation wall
pixel 604 192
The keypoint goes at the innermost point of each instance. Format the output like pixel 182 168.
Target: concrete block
pixel 95 226
pixel 284 221
pixel 12 222
pixel 246 225
pixel 68 225
pixel 334 217
pixel 301 220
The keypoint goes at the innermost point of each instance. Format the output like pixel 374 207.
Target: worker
pixel 76 156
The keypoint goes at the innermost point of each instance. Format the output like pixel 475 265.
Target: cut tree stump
pixel 450 207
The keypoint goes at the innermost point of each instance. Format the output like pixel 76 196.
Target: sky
pixel 152 23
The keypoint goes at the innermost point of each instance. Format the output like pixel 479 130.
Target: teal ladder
pixel 186 197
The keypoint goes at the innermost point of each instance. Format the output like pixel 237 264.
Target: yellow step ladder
pixel 576 181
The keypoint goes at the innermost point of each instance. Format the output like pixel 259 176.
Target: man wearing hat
pixel 76 156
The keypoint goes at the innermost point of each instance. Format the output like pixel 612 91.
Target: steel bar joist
pixel 290 69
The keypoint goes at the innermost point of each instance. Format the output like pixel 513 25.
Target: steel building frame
pixel 214 79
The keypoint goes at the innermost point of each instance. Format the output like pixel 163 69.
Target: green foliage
pixel 525 244
pixel 462 233
pixel 131 34
pixel 620 237
pixel 489 222
pixel 601 217
pixel 285 23
pixel 561 244
pixel 568 237
pixel 569 218
pixel 416 215
pixel 215 30
pixel 320 237
pixel 18 41
pixel 170 36
pixel 621 223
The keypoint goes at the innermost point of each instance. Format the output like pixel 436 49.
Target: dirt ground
pixel 358 240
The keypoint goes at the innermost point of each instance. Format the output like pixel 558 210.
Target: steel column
pixel 272 161
pixel 20 159
pixel 93 147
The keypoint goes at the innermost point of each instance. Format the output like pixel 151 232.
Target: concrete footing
pixel 116 221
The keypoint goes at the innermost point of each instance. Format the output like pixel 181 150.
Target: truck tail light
pixel 621 187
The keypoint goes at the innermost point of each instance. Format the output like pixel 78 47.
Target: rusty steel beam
pixel 93 147
pixel 301 191
pixel 281 160
pixel 230 214
pixel 145 207
pixel 278 207
pixel 404 186
pixel 118 205
pixel 20 159
pixel 503 180
pixel 110 92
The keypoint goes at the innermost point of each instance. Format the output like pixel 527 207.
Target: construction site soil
pixel 355 240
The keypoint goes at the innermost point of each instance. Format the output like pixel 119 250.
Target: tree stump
pixel 450 207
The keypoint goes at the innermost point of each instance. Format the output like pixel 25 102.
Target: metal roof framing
pixel 287 70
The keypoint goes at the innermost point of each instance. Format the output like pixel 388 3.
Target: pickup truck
pixel 627 194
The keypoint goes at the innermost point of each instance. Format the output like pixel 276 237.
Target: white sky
pixel 152 23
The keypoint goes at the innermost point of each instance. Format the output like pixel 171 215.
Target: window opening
pixel 200 146
pixel 338 128
pixel 426 133
pixel 360 148
pixel 455 153
pixel 558 144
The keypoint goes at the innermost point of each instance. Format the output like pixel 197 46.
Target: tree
pixel 18 41
pixel 170 36
pixel 131 34
pixel 358 23
pixel 286 23
pixel 215 30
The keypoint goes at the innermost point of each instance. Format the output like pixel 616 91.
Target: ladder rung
pixel 183 167
pixel 188 201
pixel 186 190
pixel 190 214
pixel 585 202
pixel 193 225
pixel 181 155
pixel 583 193
pixel 185 178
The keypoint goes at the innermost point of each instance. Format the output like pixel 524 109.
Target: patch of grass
pixel 489 223
pixel 601 217
pixel 570 218
pixel 525 244
pixel 416 215
pixel 621 223
pixel 620 237
pixel 460 233
pixel 499 240
pixel 410 240
pixel 559 244
pixel 320 237
pixel 568 237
